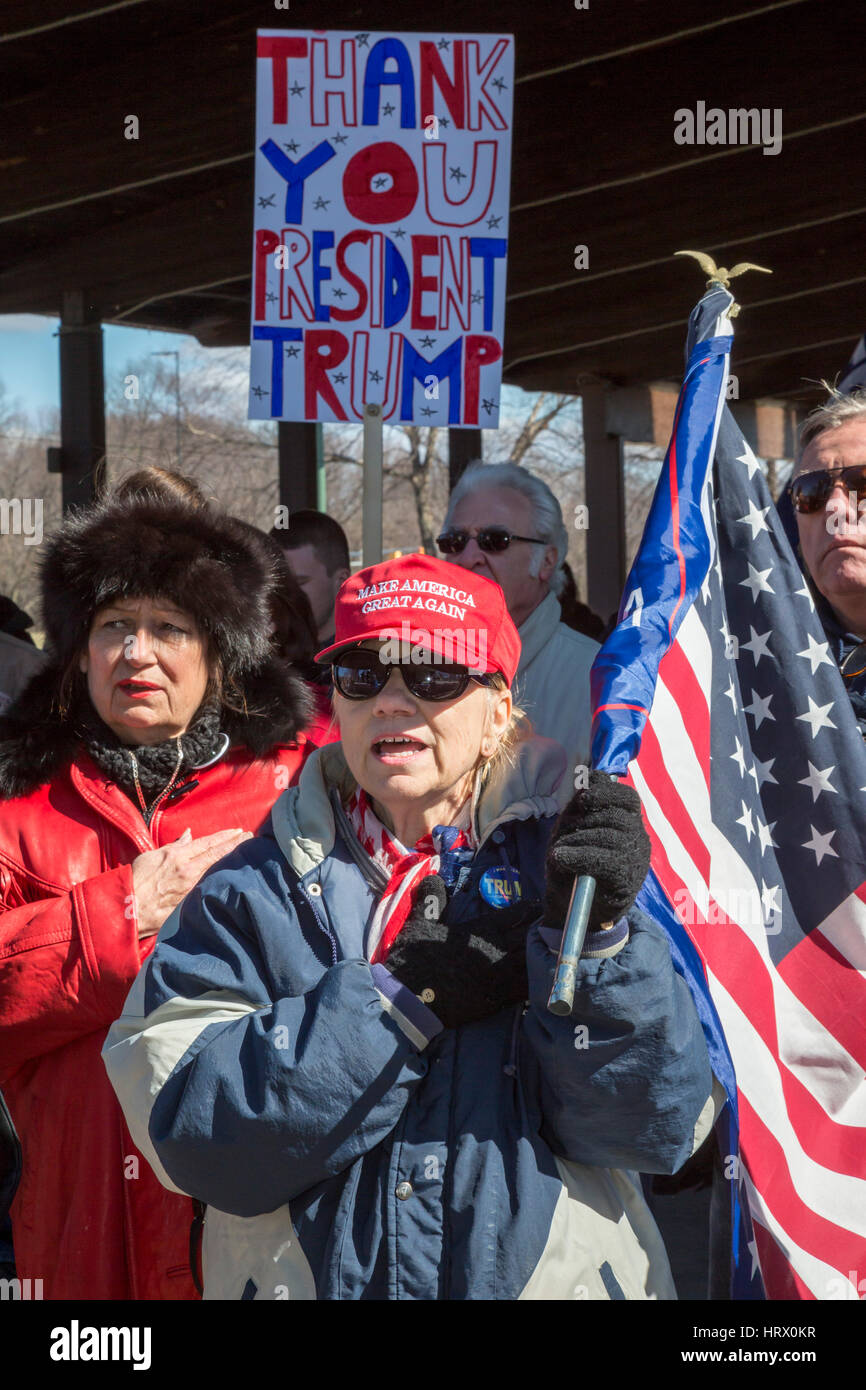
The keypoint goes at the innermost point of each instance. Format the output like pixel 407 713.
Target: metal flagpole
pixel 372 502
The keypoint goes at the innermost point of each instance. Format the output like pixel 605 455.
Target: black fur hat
pixel 201 560
pixel 218 569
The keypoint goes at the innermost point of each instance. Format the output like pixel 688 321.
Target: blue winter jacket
pixel 346 1144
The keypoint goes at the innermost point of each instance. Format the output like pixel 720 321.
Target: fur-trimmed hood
pixel 214 567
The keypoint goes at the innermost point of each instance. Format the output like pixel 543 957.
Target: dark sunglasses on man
pixel 810 491
pixel 492 539
pixel 359 675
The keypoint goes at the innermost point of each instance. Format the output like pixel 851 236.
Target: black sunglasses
pixel 493 539
pixel 809 492
pixel 854 663
pixel 359 675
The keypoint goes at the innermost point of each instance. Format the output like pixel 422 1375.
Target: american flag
pixel 718 692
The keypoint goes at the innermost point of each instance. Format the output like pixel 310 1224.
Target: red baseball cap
pixel 421 601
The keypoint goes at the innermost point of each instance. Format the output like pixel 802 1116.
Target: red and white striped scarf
pixel 405 867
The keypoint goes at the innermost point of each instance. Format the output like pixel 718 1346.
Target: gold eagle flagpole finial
pixel 720 275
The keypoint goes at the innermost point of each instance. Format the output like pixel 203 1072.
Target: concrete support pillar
pixel 464 446
pixel 301 470
pixel 81 459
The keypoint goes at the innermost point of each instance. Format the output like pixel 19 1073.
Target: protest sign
pixel 380 232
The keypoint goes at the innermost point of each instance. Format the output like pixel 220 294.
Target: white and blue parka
pixel 347 1145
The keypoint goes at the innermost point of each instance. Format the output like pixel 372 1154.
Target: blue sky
pixel 29 367
pixel 30 372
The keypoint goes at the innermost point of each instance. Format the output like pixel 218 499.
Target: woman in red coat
pixel 158 737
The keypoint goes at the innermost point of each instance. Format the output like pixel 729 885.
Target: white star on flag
pixel 765 834
pixel 820 844
pixel 817 716
pixel 757 582
pixel 745 820
pixel 748 458
pixel 816 654
pixel 804 593
pixel 817 781
pixel 755 519
pixel 732 695
pixel 758 645
pixel 768 900
pixel 763 772
pixel 759 709
pixel 738 758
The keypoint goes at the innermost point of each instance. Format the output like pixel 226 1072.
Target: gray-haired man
pixel 828 493
pixel 505 523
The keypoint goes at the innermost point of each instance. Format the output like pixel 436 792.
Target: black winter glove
pixel 467 971
pixel 600 832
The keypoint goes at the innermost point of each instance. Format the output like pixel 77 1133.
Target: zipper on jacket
pixel 167 795
pixel 321 923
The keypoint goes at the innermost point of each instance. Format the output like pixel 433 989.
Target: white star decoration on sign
pixel 820 844
pixel 818 716
pixel 755 519
pixel 818 781
pixel 757 582
pixel 816 653
pixel 759 709
pixel 748 458
pixel 758 645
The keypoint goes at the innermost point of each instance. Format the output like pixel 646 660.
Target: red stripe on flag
pixel 830 988
pixel 840 1148
pixel 836 1246
pixel 764 1155
pixel 744 974
pixel 652 765
pixel 691 699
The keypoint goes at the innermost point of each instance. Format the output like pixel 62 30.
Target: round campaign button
pixel 501 886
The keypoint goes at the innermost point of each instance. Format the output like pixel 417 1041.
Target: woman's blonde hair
pixel 515 730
